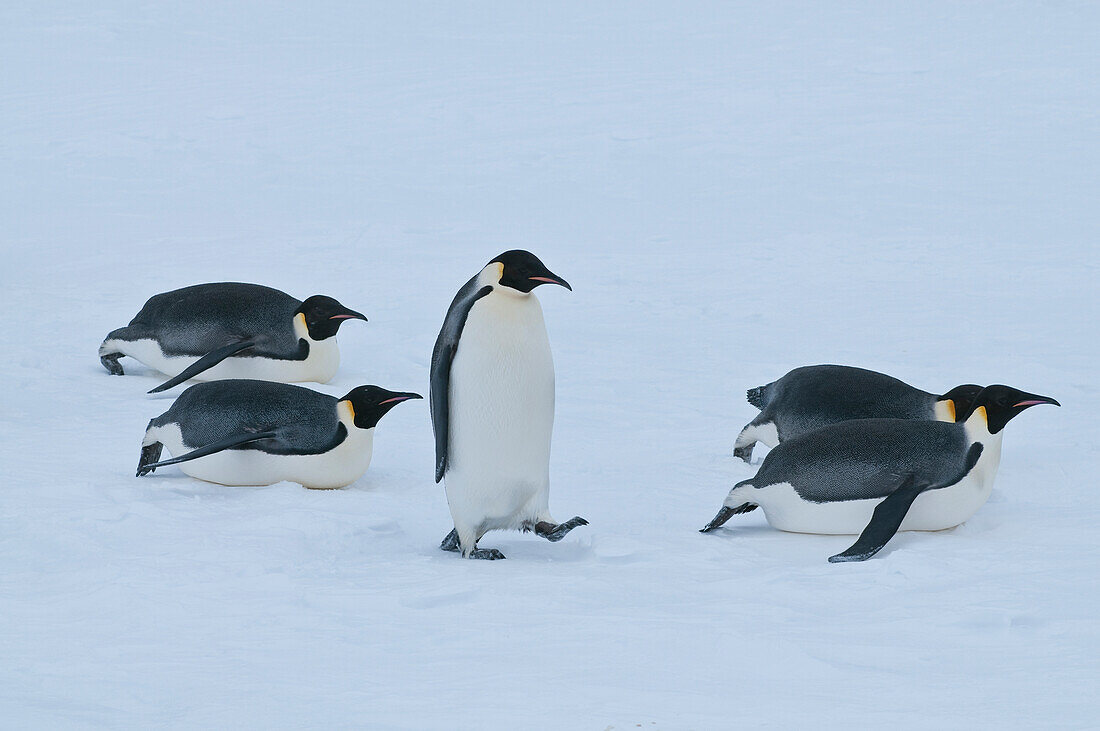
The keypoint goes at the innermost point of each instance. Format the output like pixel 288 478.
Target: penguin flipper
pixel 884 522
pixel 209 360
pixel 221 445
pixel 446 344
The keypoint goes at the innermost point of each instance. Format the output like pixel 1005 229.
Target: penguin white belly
pixel 319 366
pixel 501 416
pixel 337 467
pixel 937 509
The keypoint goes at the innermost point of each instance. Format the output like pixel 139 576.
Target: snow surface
pixel 732 190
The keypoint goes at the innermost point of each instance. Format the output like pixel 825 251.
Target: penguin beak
pixel 349 315
pixel 1031 399
pixel 398 398
pixel 552 279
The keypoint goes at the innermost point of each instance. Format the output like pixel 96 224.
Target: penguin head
pixel 370 403
pixel 999 404
pixel 324 316
pixel 960 399
pixel 522 271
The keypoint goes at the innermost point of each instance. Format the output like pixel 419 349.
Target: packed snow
pixel 732 190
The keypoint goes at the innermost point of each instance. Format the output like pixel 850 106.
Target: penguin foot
pixel 555 533
pixel 149 456
pixel 488 554
pixel 110 362
pixel 450 541
pixel 725 514
pixel 744 452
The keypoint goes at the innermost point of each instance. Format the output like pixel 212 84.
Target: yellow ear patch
pixel 500 270
pixel 951 409
pixel 984 414
pixel 345 411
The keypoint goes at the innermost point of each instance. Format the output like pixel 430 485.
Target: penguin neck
pixel 323 356
pixel 977 430
pixel 944 410
pixel 345 414
pixel 490 277
pixel 301 330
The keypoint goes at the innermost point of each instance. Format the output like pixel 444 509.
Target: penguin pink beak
pixel 1036 402
pixel 550 280
pixel 349 315
pixel 398 399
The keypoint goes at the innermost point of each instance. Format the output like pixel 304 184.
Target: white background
pixel 732 190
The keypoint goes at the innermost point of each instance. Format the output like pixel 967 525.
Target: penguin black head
pixel 1002 403
pixel 324 316
pixel 370 403
pixel 961 399
pixel 522 271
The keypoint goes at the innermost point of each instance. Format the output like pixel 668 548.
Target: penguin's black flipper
pixel 884 523
pixel 446 344
pixel 209 360
pixel 221 445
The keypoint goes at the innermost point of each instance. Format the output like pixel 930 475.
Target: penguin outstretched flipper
pixel 885 522
pixel 229 442
pixel 206 362
pixel 891 512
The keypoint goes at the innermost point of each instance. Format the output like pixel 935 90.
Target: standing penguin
pixel 811 397
pixel 492 403
pixel 248 432
pixel 232 330
pixel 878 476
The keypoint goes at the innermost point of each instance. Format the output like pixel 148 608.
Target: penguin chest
pixel 338 467
pixel 948 506
pixel 502 396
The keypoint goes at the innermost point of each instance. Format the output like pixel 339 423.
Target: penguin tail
pixel 760 396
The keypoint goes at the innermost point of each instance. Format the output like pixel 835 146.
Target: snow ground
pixel 732 190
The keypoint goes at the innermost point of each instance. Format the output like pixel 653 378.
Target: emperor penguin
pixel 249 432
pixel 492 403
pixel 811 397
pixel 232 330
pixel 878 476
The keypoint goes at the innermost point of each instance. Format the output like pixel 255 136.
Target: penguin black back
pixel 195 320
pixel 859 460
pixel 305 419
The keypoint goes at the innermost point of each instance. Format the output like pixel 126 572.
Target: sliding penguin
pixel 248 432
pixel 811 397
pixel 232 330
pixel 492 403
pixel 878 476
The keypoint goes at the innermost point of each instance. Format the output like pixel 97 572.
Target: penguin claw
pixel 450 541
pixel 150 454
pixel 110 362
pixel 488 554
pixel 555 533
pixel 718 520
